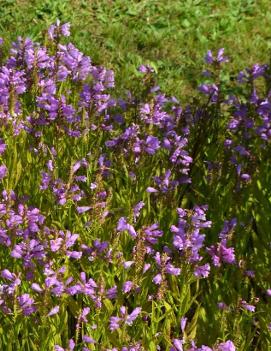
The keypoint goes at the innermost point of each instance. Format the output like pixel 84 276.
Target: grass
pixel 172 35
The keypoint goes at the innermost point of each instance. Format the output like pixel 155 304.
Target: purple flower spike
pixel 114 323
pixel 137 209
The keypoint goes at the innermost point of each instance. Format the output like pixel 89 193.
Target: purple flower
pixel 152 144
pixel 53 311
pixel 83 315
pixel 202 271
pixel 186 236
pixel 6 274
pixel 170 269
pixel 2 146
pixel 36 287
pixel 220 56
pixel 56 30
pixel 128 264
pixel 152 232
pixel 56 244
pixel 74 254
pixel 136 210
pixel 71 346
pixel 123 311
pixel 209 89
pixel 145 69
pixel 124 226
pixel 58 348
pixel 88 339
pixel 151 190
pixel 127 286
pixel 112 293
pixel 70 239
pixel 178 345
pixel 203 348
pixel 27 304
pixel 158 279
pixel 146 267
pixel 3 171
pixel 183 323
pixel 65 29
pixel 209 59
pixel 221 253
pixel 114 323
pixel 250 273
pixel 222 305
pixel 245 177
pixel 226 346
pixel 131 317
pixel 247 307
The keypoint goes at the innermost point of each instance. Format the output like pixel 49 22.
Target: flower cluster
pixel 111 206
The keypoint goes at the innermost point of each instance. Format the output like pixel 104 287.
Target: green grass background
pixel 172 35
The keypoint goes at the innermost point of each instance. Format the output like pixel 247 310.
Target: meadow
pixel 135 176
